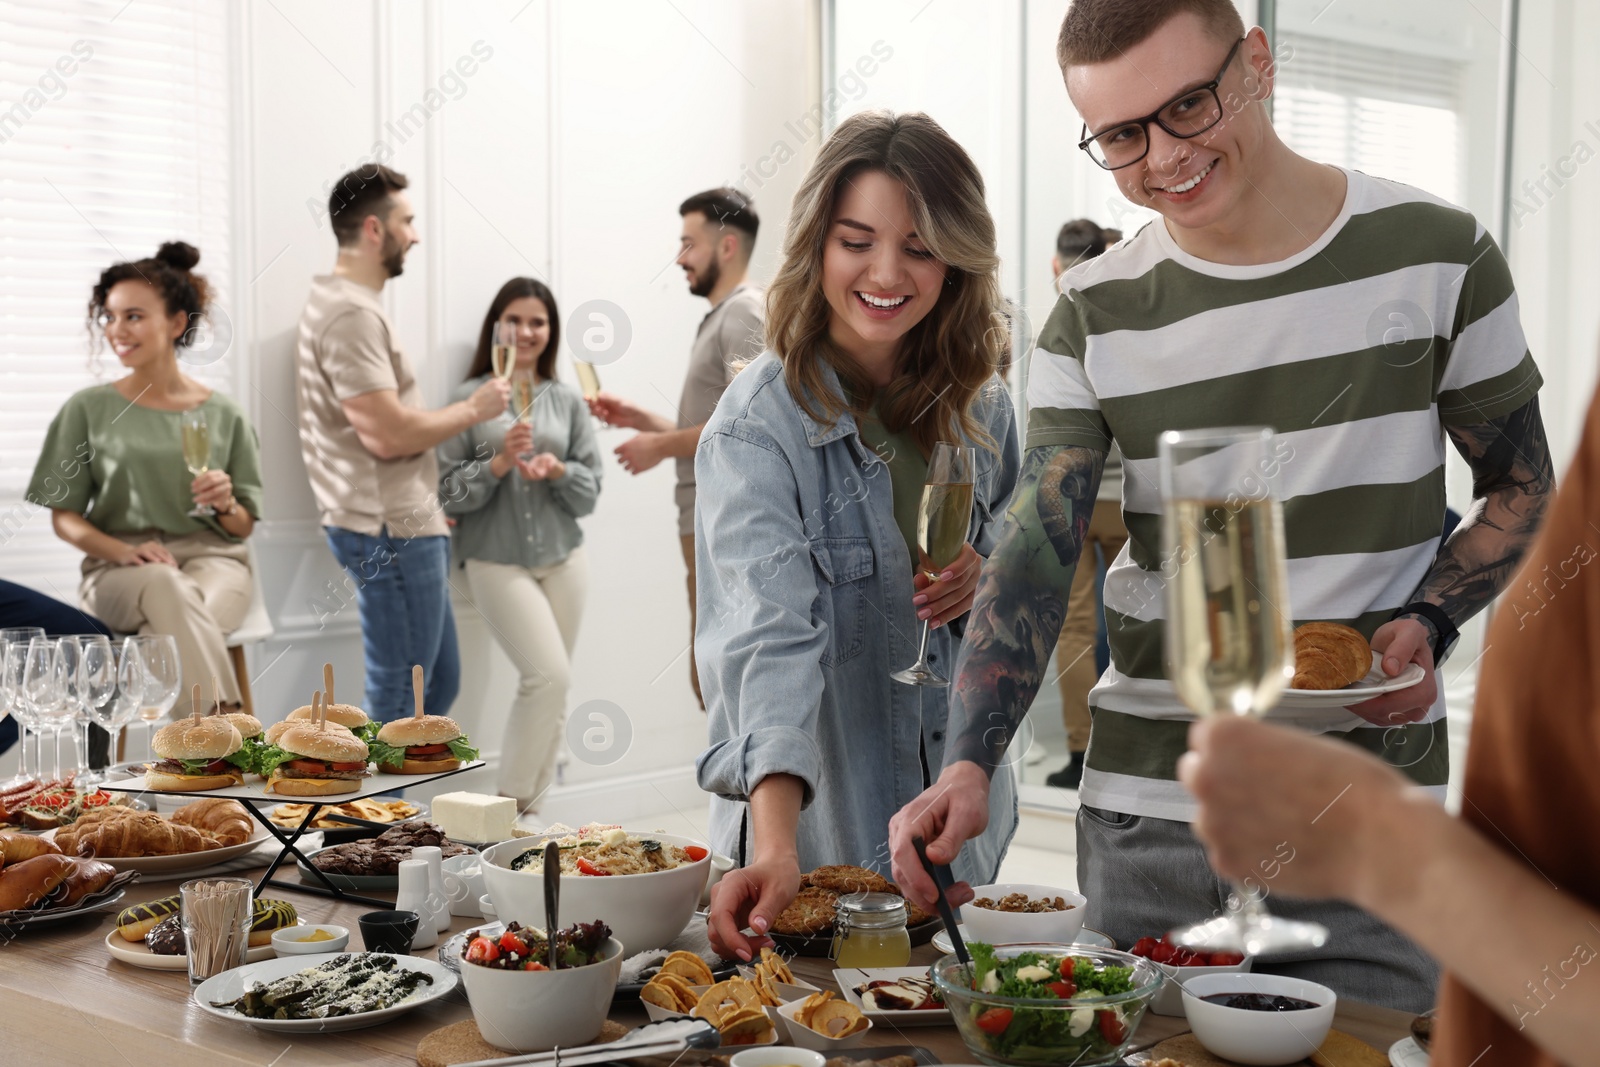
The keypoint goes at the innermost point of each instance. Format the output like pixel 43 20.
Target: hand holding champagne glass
pixel 197 450
pixel 503 349
pixel 522 397
pixel 942 523
pixel 1229 629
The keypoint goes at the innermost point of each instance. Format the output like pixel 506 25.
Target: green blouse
pixel 908 470
pixel 121 465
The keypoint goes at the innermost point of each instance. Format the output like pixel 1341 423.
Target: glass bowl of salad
pixel 1042 1004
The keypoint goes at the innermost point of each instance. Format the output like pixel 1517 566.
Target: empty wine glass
pixel 43 691
pixel 96 685
pixel 26 767
pixel 127 697
pixel 163 678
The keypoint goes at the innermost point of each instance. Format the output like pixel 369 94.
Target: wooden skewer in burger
pixel 314 758
pixel 349 716
pixel 196 753
pixel 248 725
pixel 422 744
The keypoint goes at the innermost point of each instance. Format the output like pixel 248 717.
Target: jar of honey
pixel 869 930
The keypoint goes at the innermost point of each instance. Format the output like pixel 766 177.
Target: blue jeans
pixel 403 591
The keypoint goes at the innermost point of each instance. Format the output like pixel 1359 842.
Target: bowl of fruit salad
pixel 1042 1004
pixel 521 1005
pixel 1181 964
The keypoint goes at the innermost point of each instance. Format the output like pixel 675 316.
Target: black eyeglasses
pixel 1189 114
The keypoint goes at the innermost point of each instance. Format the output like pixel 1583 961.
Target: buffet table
pixel 64 999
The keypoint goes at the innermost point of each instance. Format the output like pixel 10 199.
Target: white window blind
pixel 1387 113
pixel 113 138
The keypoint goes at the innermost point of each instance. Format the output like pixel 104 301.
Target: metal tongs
pixel 666 1038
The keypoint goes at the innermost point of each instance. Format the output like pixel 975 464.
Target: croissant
pixel 1329 656
pixel 147 834
pixel 224 819
pixel 67 836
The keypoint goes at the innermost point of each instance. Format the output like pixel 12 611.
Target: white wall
pixel 563 154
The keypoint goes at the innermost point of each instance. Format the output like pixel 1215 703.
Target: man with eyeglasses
pixel 1364 321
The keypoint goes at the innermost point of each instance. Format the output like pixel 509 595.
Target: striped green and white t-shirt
pixel 1398 321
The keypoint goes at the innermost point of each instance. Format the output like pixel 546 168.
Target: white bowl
pixel 1169 1001
pixel 463 884
pixel 1006 928
pixel 644 911
pixel 1262 1038
pixel 291 940
pixel 536 1011
pixel 807 1038
pixel 776 1057
pixel 486 908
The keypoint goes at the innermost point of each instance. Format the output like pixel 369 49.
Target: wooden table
pixel 65 1000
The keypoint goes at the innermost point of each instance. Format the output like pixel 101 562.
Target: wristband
pixel 1445 632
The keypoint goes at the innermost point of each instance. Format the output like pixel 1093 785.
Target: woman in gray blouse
pixel 516 487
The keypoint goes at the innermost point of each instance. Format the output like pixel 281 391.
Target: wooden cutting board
pixel 1338 1050
pixel 461 1043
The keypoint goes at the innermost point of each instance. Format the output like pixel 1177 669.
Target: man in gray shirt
pixel 719 233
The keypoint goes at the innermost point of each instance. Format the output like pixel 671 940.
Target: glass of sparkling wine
pixel 588 378
pixel 522 396
pixel 197 450
pixel 942 523
pixel 1229 628
pixel 503 349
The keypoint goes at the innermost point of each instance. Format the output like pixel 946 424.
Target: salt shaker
pixel 413 896
pixel 438 900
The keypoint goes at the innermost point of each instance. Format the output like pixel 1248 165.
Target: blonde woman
pixel 885 329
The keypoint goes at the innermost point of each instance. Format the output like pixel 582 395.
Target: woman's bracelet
pixel 233 506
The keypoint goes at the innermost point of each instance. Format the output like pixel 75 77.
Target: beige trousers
pixel 534 615
pixel 694 673
pixel 199 602
pixel 1075 650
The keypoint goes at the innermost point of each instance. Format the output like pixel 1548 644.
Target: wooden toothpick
pixel 416 688
pixel 327 682
pixel 194 701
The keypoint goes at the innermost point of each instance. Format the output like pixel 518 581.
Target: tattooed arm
pixel 1512 481
pixel 1015 620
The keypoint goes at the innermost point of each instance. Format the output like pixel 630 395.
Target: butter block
pixel 474 817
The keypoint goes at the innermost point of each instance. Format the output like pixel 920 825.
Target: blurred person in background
pixel 368 444
pixel 516 486
pixel 886 325
pixel 1083 630
pixel 164 547
pixel 719 236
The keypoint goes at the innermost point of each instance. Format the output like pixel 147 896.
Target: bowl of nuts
pixel 1011 913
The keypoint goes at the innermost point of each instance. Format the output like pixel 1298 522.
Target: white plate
pixel 1086 936
pixel 138 954
pixel 183 861
pixel 850 977
pixel 1407 1053
pixel 231 985
pixel 1376 683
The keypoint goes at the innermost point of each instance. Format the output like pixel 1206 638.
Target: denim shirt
pixel 511 519
pixel 804 591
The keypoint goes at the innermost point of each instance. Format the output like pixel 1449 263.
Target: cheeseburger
pixel 423 744
pixel 349 716
pixel 196 754
pixel 313 760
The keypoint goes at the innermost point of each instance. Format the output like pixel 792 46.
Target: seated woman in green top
pixel 516 487
pixel 163 546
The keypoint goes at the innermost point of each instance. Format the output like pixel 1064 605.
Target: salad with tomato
pixel 1003 1004
pixel 525 948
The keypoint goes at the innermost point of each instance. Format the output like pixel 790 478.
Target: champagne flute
pixel 503 349
pixel 1229 630
pixel 942 523
pixel 197 450
pixel 588 378
pixel 522 397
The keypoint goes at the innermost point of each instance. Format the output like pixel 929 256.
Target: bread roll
pixel 26 884
pixel 86 878
pixel 15 847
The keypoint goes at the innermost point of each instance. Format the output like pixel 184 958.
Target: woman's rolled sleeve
pixel 757 643
pixel 62 477
pixel 466 483
pixel 244 467
pixel 578 490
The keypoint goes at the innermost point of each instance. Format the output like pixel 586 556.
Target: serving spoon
pixel 552 895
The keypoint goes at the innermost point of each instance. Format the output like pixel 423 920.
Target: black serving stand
pixel 255 799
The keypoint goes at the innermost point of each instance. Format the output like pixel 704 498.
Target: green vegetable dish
pixel 1040 1007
